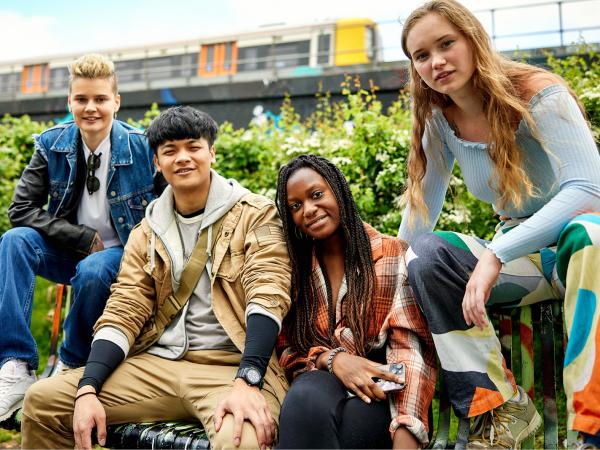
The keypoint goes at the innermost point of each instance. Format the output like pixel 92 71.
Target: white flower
pixel 349 127
pixel 313 141
pixel 341 160
pixel 299 150
pixel 340 144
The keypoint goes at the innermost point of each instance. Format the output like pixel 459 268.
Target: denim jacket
pixel 55 177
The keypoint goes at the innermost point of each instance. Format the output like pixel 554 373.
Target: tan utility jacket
pixel 250 265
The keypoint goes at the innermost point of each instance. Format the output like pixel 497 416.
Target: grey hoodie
pixel 222 196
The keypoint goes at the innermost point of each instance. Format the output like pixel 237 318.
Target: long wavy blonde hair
pixel 502 86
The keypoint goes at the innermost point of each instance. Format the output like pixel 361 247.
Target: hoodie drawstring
pixel 152 251
pixel 209 241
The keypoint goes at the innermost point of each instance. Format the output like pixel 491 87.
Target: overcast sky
pixel 30 28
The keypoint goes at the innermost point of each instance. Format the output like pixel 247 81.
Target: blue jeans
pixel 25 253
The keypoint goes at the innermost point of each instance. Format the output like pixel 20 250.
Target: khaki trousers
pixel 143 388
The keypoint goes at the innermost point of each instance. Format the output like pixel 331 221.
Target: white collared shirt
pixel 93 209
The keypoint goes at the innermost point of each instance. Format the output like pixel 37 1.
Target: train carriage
pixel 271 52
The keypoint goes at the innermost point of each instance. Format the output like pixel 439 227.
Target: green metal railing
pixel 532 340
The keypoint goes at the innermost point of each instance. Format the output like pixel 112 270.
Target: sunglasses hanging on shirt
pixel 92 182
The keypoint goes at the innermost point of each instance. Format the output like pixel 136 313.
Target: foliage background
pixel 368 143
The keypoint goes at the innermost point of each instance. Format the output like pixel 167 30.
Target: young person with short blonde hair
pixel 85 188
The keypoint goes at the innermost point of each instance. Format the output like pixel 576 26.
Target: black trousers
pixel 317 413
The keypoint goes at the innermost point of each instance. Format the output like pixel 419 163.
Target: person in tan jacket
pixel 211 359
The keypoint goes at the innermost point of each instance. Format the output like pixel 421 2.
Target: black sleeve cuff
pixel 261 336
pixel 104 358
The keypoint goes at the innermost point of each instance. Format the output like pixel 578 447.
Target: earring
pixel 115 115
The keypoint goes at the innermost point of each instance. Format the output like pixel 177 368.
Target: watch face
pixel 253 376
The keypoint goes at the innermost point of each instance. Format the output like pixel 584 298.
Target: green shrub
pixel 16 148
pixel 369 145
pixel 582 72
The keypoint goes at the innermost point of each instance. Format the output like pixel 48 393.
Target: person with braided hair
pixel 352 312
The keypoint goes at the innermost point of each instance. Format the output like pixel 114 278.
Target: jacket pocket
pixel 139 202
pixel 231 266
pixel 136 206
pixel 56 192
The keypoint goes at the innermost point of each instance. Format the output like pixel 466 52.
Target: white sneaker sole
pixel 535 423
pixel 12 410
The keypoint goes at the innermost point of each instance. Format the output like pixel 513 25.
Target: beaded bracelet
pixel 334 352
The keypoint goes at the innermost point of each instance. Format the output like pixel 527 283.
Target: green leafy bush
pixel 368 143
pixel 582 72
pixel 16 148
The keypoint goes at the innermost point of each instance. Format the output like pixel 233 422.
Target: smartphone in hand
pixel 390 386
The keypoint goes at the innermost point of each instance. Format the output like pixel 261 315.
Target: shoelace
pixel 496 421
pixel 6 382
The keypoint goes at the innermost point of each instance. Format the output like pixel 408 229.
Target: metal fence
pixel 544 24
pixel 551 25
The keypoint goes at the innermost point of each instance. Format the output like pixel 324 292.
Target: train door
pixel 218 59
pixel 34 78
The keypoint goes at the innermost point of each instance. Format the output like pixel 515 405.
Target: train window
pixel 129 71
pixel 44 77
pixel 227 60
pixel 370 42
pixel 27 79
pixel 59 78
pixel 287 54
pixel 187 65
pixel 323 47
pixel 218 59
pixel 161 68
pixel 253 58
pixel 34 78
pixel 9 83
pixel 290 54
pixel 210 58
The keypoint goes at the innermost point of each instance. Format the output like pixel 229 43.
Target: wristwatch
pixel 250 375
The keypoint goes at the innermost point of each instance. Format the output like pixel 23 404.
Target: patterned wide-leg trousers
pixel 439 266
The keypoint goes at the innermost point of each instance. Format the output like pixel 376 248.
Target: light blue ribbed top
pixel 567 181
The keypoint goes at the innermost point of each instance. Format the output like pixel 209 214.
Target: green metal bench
pixel 536 327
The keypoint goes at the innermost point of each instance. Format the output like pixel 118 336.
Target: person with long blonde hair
pixel 524 145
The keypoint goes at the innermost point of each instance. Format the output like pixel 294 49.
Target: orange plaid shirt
pixel 399 325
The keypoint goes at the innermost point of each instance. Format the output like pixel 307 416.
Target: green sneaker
pixel 506 426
